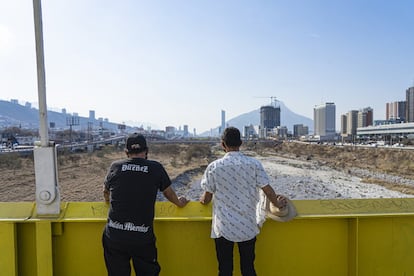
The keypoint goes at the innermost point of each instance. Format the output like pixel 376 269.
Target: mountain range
pixel 288 119
pixel 14 114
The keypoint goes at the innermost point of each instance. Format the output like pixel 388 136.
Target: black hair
pixel 231 137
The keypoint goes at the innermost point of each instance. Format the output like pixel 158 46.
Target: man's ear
pixel 223 145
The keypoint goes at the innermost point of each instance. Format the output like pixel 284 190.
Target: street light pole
pixel 45 157
pixel 41 76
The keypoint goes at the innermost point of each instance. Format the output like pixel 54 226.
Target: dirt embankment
pixel 395 161
pixel 81 175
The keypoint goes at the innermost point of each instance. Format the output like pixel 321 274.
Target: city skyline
pixel 338 117
pixel 145 61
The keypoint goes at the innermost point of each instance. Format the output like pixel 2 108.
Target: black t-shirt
pixel 133 185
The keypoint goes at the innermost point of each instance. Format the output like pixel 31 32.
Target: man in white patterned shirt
pixel 235 180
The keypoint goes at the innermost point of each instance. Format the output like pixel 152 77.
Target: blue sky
pixel 175 63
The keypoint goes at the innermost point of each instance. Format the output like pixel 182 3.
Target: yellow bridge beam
pixel 329 237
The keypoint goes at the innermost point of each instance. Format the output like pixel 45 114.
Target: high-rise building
pixel 362 119
pixel 409 107
pixel 366 117
pixel 269 117
pixel 395 111
pixel 324 119
pixel 91 114
pixel 352 122
pixel 223 121
pixel 344 119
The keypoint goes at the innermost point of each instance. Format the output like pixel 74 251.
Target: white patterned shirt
pixel 235 180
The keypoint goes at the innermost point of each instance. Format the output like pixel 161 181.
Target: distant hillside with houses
pixel 13 114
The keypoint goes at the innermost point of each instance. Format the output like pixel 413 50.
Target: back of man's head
pixel 136 143
pixel 231 137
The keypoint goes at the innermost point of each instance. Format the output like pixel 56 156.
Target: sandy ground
pixel 299 179
pixel 307 180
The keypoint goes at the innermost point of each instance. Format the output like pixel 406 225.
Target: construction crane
pixel 273 100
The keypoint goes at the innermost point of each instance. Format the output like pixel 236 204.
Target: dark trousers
pixel 118 256
pixel 224 251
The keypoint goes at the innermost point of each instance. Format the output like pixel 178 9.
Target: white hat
pixel 284 215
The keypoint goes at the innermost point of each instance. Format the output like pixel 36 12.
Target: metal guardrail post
pixel 47 190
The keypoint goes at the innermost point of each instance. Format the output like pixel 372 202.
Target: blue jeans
pixel 224 251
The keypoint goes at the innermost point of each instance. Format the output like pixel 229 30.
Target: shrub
pixel 196 151
pixel 10 161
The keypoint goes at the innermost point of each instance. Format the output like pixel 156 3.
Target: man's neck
pixel 232 149
pixel 136 155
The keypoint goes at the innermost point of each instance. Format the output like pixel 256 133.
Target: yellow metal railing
pixel 329 237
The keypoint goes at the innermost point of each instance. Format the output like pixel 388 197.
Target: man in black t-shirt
pixel 130 188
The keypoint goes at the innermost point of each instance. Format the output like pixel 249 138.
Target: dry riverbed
pixel 298 171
